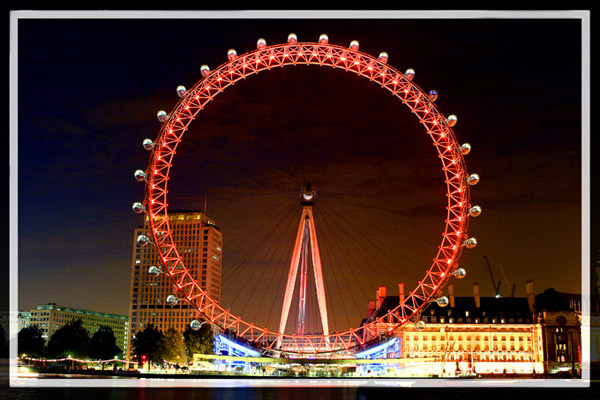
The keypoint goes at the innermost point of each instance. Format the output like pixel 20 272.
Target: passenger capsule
pixel 442 301
pixel 354 45
pixel 154 271
pixel 261 43
pixel 460 273
pixel 451 120
pixel 204 70
pixel 138 208
pixel 172 300
pixel 143 240
pixel 140 175
pixel 433 95
pixel 473 179
pixel 470 243
pixel 148 144
pixel 475 211
pixel 231 54
pixel 465 149
pixel 292 38
pixel 409 74
pixel 181 90
pixel 383 57
pixel 195 324
pixel 324 39
pixel 420 325
pixel 162 116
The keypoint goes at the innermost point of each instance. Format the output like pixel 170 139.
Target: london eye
pixel 378 73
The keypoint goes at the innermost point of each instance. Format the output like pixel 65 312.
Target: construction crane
pixel 514 285
pixel 496 286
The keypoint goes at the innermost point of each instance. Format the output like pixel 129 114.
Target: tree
pixel 3 342
pixel 70 340
pixel 103 345
pixel 199 342
pixel 31 342
pixel 149 345
pixel 174 346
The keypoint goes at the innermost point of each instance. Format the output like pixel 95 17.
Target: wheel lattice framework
pixel 321 53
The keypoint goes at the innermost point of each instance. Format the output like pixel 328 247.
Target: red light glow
pixel 329 55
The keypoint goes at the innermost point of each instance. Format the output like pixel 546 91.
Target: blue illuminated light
pixel 381 350
pixel 240 350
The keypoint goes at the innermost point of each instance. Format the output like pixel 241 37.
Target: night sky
pixel 89 91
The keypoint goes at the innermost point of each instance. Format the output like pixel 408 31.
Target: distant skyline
pixel 89 91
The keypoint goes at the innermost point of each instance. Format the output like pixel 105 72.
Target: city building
pixel 490 335
pixel 50 317
pixel 199 243
pixel 23 319
pixel 560 315
pixel 13 321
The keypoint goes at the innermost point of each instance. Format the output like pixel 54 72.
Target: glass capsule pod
pixel 470 243
pixel 138 208
pixel 459 273
pixel 475 211
pixel 172 300
pixel 442 301
pixel 204 70
pixel 433 95
pixel 148 144
pixel 143 240
pixel 162 116
pixel 196 325
pixel 473 179
pixel 451 120
pixel 465 149
pixel 140 175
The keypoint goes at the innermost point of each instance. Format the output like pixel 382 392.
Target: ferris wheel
pixel 175 124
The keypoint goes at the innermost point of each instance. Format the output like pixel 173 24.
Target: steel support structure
pixel 306 240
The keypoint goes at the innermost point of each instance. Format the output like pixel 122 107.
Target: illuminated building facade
pixel 200 246
pixel 471 334
pixel 560 315
pixel 12 322
pixel 50 317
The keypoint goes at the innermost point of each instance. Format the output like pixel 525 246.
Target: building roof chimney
pixel 530 295
pixel 370 308
pixel 381 295
pixel 401 293
pixel 476 294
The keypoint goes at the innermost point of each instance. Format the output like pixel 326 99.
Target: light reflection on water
pixel 248 393
pixel 56 386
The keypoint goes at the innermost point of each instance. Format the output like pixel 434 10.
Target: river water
pixel 28 384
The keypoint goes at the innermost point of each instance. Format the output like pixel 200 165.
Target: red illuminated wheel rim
pixel 350 59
